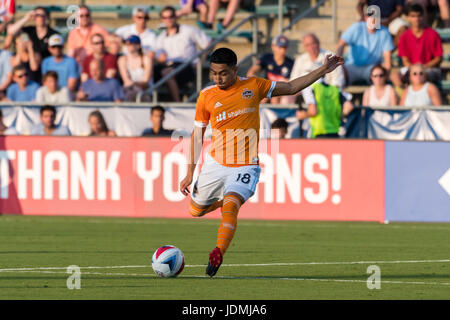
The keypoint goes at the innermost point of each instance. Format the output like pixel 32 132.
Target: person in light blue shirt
pixel 66 67
pixel 369 45
pixel 47 125
pixel 22 89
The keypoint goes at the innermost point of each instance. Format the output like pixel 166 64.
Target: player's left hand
pixel 332 62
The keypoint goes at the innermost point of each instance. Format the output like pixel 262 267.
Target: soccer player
pixel 231 169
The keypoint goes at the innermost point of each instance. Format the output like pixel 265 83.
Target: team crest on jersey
pixel 247 94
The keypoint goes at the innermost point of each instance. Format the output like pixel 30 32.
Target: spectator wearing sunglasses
pixel 39 34
pixel 79 44
pixel 110 60
pixel 420 92
pixel 22 89
pixel 139 28
pixel 379 94
pixel 66 67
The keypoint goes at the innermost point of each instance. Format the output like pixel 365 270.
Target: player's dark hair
pixel 414 7
pixel 158 107
pixel 167 8
pixel 47 108
pixel 280 124
pixel 224 56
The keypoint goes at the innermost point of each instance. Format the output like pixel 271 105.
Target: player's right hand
pixel 184 185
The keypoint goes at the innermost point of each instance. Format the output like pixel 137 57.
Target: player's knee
pixel 196 211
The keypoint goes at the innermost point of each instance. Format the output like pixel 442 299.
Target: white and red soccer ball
pixel 168 261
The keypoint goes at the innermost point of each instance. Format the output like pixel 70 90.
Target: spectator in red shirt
pixel 99 52
pixel 421 45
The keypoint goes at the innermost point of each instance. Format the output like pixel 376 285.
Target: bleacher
pixel 116 14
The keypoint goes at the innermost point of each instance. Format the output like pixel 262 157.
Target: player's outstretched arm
pixel 294 86
pixel 194 154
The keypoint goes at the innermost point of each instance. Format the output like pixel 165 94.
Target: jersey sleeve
pixel 201 113
pixel 265 87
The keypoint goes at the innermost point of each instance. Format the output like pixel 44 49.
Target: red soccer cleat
pixel 215 260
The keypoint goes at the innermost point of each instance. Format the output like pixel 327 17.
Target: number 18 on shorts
pixel 216 180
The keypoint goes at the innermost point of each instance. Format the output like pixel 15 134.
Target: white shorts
pixel 216 180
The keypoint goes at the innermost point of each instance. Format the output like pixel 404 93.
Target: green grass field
pixel 267 259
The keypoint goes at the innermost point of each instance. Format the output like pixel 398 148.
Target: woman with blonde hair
pixel 420 92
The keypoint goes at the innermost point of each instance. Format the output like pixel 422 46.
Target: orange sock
pixel 230 209
pixel 196 211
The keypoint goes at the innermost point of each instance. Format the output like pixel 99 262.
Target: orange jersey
pixel 234 117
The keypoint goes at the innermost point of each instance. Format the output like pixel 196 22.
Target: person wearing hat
pixel 110 60
pixel 66 67
pixel 79 40
pixel 135 68
pixel 139 28
pixel 276 65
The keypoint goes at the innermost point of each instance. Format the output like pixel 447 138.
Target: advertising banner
pixel 418 181
pixel 139 177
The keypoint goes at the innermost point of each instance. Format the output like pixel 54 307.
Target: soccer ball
pixel 168 261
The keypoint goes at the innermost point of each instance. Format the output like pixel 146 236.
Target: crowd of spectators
pixel 39 64
pixel 92 64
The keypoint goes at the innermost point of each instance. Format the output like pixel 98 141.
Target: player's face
pixel 222 75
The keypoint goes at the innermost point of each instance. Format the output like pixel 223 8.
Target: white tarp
pixel 130 121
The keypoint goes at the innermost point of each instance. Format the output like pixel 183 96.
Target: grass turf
pixel 30 242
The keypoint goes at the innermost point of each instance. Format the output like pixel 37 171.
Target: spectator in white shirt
pixel 177 44
pixel 139 28
pixel 314 58
pixel 50 93
pixel 135 69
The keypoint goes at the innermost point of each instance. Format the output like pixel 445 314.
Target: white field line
pixel 250 278
pixel 252 223
pixel 238 265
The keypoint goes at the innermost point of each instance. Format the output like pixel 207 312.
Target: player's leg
pixel 207 192
pixel 197 210
pixel 239 187
pixel 232 202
